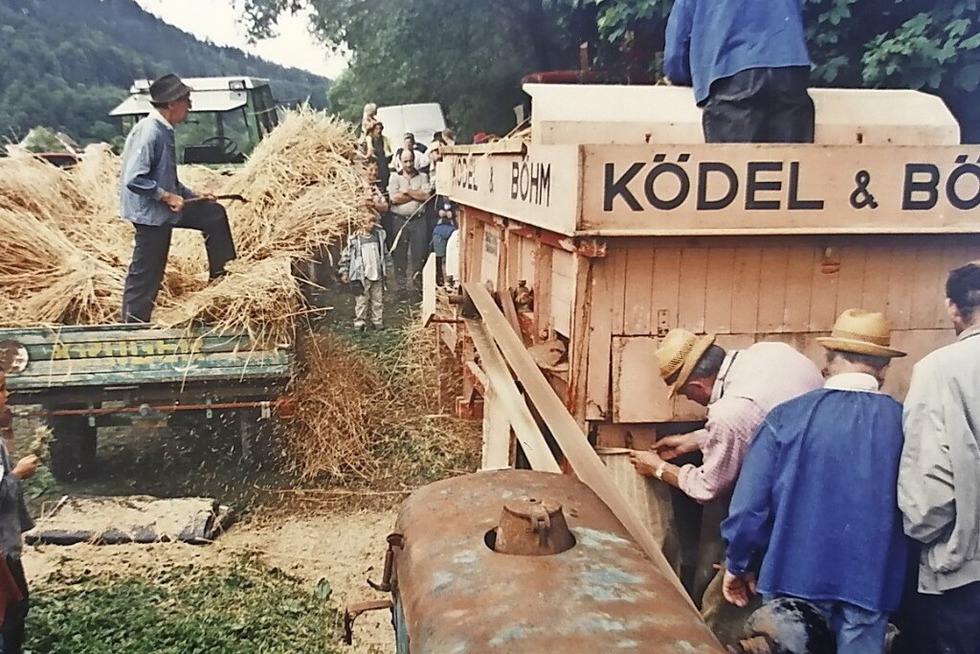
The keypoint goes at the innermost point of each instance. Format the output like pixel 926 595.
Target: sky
pixel 219 22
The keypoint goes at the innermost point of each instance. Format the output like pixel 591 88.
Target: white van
pixel 422 120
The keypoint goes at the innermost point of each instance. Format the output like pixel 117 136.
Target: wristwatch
pixel 658 472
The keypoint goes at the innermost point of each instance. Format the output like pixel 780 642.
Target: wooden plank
pixel 874 290
pixel 46 335
pixel 772 291
pixel 746 280
pixel 98 332
pixel 617 258
pixel 574 445
pixel 665 290
pixel 241 360
pixel 94 350
pixel 508 399
pixel 823 293
pixel 898 300
pixel 600 297
pixel 133 378
pixel 850 284
pixel 526 271
pixel 799 289
pixel 639 394
pixel 693 283
pixel 429 299
pixel 496 432
pixel 563 289
pixel 928 288
pixel 639 278
pixel 510 311
pixel 719 290
pixel 578 344
pixel 542 290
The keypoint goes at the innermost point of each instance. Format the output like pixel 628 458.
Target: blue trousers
pixel 858 631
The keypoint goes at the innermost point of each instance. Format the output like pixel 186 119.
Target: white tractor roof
pixel 210 94
pixel 608 114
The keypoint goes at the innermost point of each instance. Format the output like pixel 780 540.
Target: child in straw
pixel 364 265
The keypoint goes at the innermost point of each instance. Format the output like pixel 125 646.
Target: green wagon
pixel 84 377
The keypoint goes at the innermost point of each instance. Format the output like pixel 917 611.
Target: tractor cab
pixel 229 116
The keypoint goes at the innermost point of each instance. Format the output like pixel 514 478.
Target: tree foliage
pixel 69 62
pixel 470 55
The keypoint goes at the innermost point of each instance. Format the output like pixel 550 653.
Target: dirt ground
pixel 345 548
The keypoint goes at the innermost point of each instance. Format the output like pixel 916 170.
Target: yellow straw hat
pixel 861 332
pixel 679 352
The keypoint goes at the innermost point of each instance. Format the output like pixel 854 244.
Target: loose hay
pixel 64 251
pixel 361 419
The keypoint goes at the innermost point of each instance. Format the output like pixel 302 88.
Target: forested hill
pixel 65 63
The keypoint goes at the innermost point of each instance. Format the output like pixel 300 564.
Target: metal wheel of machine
pixel 73 447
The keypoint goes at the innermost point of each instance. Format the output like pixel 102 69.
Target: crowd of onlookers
pixel 408 221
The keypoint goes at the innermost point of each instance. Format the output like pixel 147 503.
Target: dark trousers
pixel 15 617
pixel 760 105
pixel 153 246
pixel 942 624
pixel 410 253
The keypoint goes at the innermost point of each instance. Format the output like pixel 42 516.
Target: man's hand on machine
pixel 671 447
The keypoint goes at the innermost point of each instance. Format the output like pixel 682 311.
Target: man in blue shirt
pixel 748 63
pixel 154 200
pixel 817 498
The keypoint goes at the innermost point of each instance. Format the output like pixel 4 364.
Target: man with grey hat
pixel 154 200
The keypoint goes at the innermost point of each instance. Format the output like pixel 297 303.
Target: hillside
pixel 65 63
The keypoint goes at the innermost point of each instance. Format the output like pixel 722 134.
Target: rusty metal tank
pixel 577 584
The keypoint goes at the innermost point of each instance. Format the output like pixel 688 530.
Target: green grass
pixel 246 608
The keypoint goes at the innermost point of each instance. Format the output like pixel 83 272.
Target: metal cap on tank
pixel 532 527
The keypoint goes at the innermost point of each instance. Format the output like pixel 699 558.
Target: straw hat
pixel 861 332
pixel 678 353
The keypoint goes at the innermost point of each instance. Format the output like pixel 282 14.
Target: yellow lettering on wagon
pixel 140 351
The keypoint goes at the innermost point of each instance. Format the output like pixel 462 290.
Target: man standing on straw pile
pixel 14 521
pixel 738 389
pixel 154 200
pixel 408 191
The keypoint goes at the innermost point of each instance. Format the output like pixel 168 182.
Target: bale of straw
pixel 362 419
pixel 305 190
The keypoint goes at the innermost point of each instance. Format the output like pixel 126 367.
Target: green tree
pixel 919 44
pixel 71 61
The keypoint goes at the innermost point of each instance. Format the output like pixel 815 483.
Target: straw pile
pixel 376 421
pixel 64 251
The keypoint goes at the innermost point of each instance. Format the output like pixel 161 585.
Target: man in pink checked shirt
pixel 739 388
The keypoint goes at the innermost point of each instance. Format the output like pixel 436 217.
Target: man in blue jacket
pixel 748 63
pixel 154 200
pixel 817 499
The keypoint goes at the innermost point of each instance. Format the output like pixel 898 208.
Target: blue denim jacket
pixel 708 40
pixel 149 167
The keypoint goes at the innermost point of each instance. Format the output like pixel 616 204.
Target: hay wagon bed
pixel 86 377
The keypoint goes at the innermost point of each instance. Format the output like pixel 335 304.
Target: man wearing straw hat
pixel 739 388
pixel 816 501
pixel 154 200
pixel 939 479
